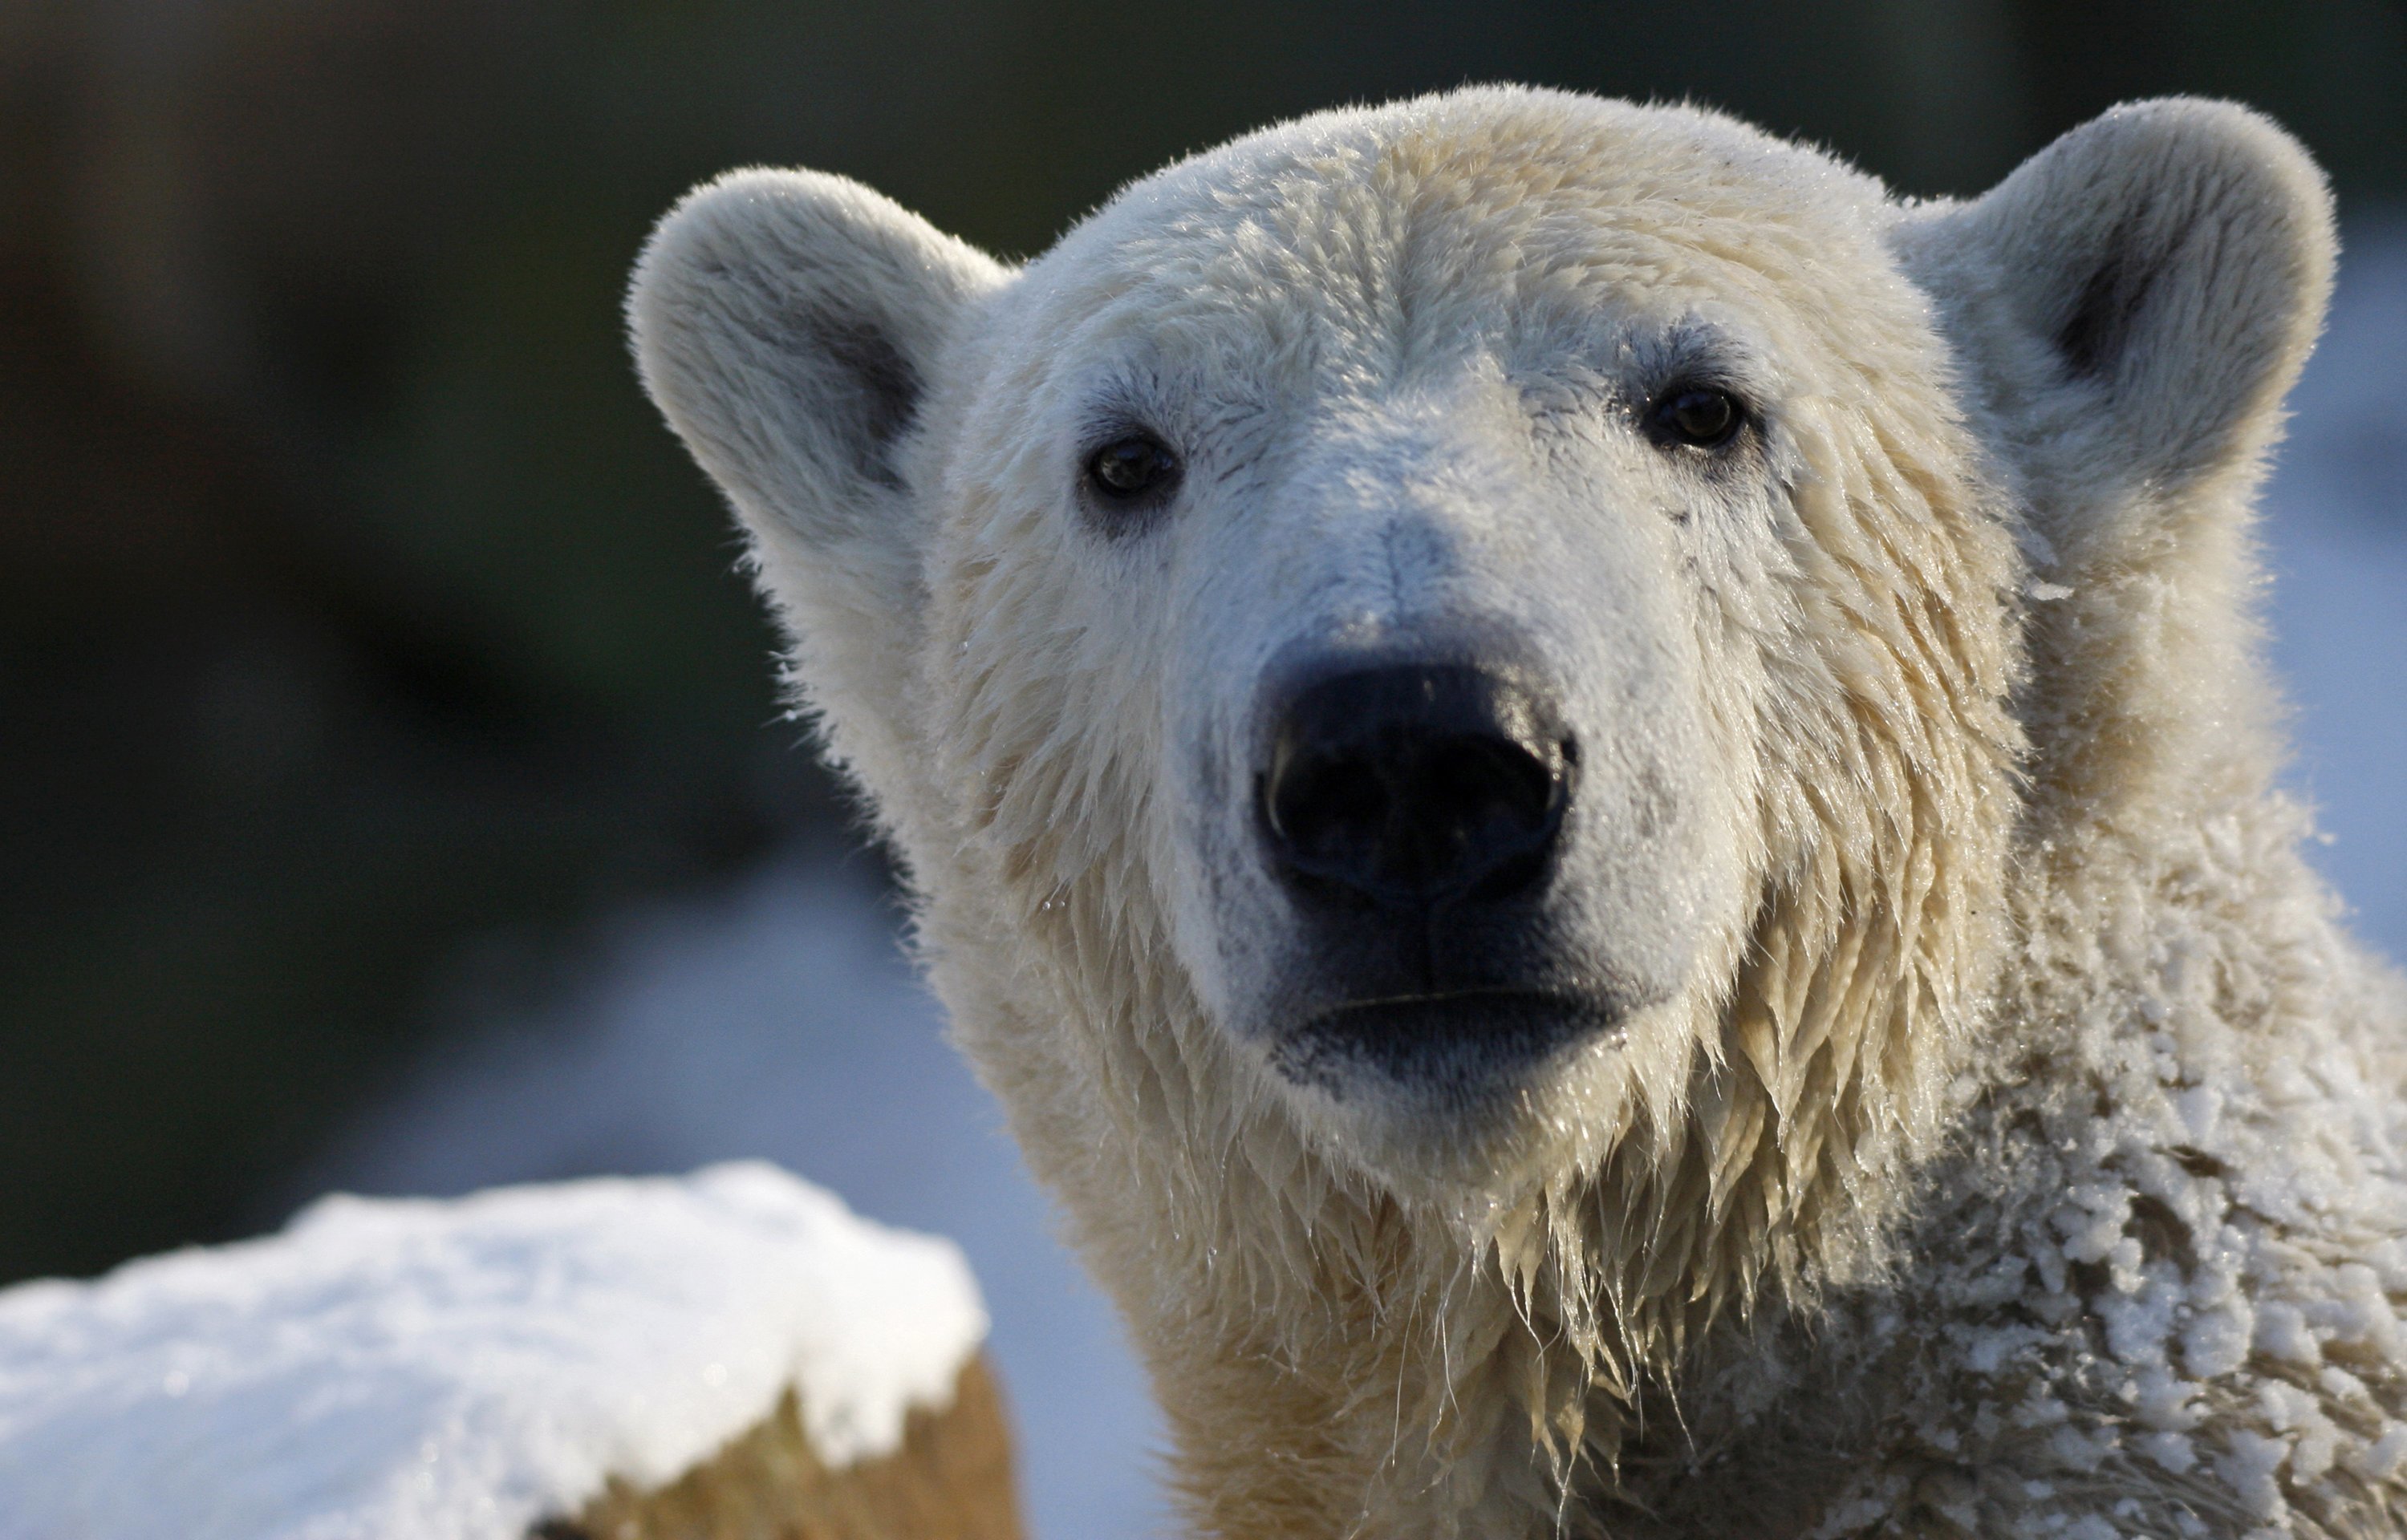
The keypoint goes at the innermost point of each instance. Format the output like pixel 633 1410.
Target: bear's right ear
pixel 2132 304
pixel 2126 312
pixel 787 323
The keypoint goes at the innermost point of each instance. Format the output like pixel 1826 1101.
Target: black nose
pixel 1411 786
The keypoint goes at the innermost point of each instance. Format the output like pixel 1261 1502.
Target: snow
pixel 423 1370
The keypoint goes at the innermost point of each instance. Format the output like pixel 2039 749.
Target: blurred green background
pixel 362 634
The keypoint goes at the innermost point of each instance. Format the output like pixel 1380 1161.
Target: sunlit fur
pixel 1967 723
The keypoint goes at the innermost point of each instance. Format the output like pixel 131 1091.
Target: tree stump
pixel 950 1480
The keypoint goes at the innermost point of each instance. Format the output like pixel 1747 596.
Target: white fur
pixel 2006 1141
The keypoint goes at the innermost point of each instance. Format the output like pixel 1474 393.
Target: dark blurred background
pixel 363 635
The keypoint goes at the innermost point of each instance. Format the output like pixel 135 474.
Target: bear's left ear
pixel 2132 303
pixel 791 325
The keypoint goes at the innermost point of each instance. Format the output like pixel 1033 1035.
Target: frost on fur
pixel 1959 1112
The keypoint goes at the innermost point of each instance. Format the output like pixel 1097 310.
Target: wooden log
pixel 952 1479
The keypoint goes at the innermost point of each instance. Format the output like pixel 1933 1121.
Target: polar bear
pixel 1602 801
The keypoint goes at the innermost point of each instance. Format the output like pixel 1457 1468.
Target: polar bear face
pixel 1479 631
pixel 1422 551
pixel 1429 519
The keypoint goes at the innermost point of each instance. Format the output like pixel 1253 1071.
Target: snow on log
pixel 729 1354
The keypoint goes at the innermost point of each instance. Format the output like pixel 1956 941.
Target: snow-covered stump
pixel 731 1356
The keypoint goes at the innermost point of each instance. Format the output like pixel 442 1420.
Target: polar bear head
pixel 1450 678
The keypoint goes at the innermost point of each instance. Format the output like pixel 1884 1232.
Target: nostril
pixel 1326 808
pixel 1483 787
pixel 1483 805
pixel 1413 785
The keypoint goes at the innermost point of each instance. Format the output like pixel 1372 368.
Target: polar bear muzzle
pixel 1412 811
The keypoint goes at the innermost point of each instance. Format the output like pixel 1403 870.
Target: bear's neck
pixel 1401 1388
pixel 1332 1362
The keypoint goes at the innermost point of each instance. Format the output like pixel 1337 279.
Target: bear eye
pixel 1134 466
pixel 1695 416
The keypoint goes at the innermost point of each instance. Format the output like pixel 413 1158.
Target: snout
pixel 1396 791
pixel 1413 814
